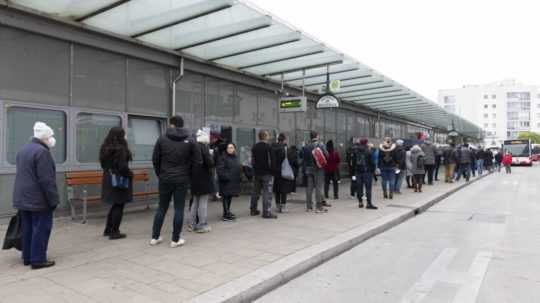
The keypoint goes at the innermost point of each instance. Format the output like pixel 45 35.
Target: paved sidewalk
pixel 90 268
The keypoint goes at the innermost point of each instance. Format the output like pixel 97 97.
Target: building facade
pixel 502 109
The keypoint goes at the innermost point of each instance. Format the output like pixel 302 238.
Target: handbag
pixel 119 182
pixel 286 169
pixel 13 238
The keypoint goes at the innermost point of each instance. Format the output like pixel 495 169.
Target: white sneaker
pixel 178 244
pixel 154 242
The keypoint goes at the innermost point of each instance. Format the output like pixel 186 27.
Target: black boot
pixel 371 206
pixel 385 194
pixel 391 195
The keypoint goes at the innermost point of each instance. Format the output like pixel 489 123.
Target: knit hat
pixel 203 137
pixel 399 142
pixel 363 141
pixel 42 131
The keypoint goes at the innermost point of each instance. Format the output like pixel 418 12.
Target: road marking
pixel 469 282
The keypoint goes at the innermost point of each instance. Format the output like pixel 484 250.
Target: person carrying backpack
pixel 418 167
pixel 314 161
pixel 388 164
pixel 363 168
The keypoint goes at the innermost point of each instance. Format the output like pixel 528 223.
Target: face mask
pixel 51 142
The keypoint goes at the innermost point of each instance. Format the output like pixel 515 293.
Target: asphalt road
pixel 482 244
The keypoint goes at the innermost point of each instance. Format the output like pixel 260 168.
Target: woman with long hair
pixel 229 172
pixel 282 186
pixel 114 158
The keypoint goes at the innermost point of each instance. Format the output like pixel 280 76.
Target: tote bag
pixel 286 169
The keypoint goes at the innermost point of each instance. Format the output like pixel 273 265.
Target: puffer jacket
pixel 174 156
pixel 465 155
pixel 35 180
pixel 430 152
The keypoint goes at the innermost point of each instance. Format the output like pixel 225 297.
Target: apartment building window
pixel 538 105
pixel 486 96
pixel 494 125
pixel 538 115
pixel 493 96
pixel 494 106
pixel 486 116
pixel 494 116
pixel 486 106
pixel 486 125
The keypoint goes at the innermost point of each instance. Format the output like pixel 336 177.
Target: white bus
pixel 521 151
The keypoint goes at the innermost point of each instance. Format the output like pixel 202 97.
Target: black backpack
pixel 361 161
pixel 420 162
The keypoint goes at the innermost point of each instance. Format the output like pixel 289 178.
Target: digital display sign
pixel 293 104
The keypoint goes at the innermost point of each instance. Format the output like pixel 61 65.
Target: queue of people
pixel 184 164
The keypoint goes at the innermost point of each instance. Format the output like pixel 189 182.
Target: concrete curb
pixel 263 280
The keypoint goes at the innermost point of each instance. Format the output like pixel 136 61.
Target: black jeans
pixel 166 192
pixel 333 177
pixel 226 201
pixel 364 181
pixel 281 198
pixel 429 169
pixel 114 219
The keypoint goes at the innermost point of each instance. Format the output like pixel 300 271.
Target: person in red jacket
pixel 331 170
pixel 507 162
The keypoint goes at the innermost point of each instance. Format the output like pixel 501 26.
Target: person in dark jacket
pixel 363 166
pixel 438 162
pixel 388 164
pixel 348 155
pixel 282 186
pixel 229 171
pixel 498 160
pixel 430 152
pixel 174 156
pixel 418 166
pixel 449 161
pixel 488 160
pixel 262 160
pixel 292 155
pixel 465 158
pixel 401 171
pixel 202 185
pixel 35 195
pixel 331 170
pixel 114 157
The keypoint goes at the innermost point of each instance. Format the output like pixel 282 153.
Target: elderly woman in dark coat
pixel 114 158
pixel 229 172
pixel 202 185
pixel 282 186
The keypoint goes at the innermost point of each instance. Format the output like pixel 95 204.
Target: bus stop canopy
pixel 239 36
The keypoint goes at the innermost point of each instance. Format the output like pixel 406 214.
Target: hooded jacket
pixel 387 156
pixel 356 152
pixel 416 152
pixel 35 181
pixel 174 156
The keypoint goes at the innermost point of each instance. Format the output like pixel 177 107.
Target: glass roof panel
pixel 356 74
pixel 235 20
pixel 366 95
pixel 305 46
pixel 135 17
pixel 347 65
pixel 373 92
pixel 299 63
pixel 367 88
pixel 65 8
pixel 273 35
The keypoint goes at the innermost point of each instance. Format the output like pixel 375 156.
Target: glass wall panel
pixel 19 131
pixel 91 132
pixel 245 139
pixel 142 136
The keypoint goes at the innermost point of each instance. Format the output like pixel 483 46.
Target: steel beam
pixel 101 10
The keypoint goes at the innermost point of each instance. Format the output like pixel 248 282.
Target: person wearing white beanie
pixel 35 195
pixel 44 133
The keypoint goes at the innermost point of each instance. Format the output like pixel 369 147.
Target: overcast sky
pixel 427 45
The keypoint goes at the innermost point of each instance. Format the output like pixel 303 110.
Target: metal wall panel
pixel 148 87
pixel 190 100
pixel 33 68
pixel 246 106
pixel 99 79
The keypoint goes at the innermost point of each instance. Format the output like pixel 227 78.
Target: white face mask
pixel 51 142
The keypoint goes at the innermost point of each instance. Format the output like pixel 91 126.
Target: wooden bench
pixel 94 177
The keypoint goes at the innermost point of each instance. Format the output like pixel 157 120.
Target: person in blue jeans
pixel 363 168
pixel 36 195
pixel 388 164
pixel 173 158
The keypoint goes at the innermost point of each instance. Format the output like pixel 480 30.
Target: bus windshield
pixel 518 150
